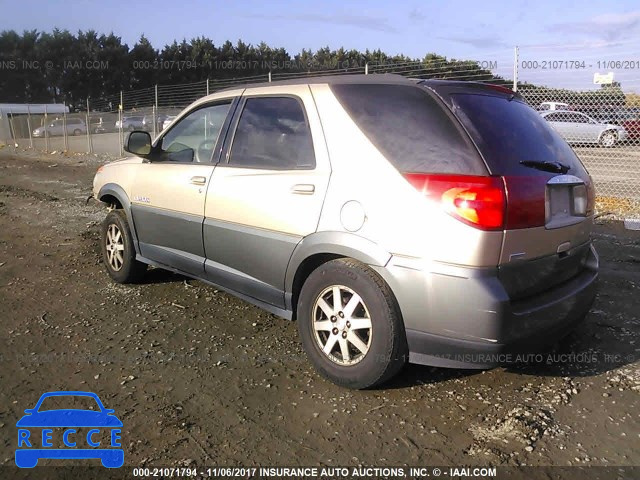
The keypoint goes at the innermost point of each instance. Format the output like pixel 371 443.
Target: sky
pixel 587 33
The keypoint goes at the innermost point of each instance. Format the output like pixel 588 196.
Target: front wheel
pixel 608 139
pixel 350 325
pixel 118 252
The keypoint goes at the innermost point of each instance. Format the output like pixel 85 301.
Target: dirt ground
pixel 200 378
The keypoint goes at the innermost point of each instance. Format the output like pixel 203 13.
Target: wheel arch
pixel 114 194
pixel 609 130
pixel 319 248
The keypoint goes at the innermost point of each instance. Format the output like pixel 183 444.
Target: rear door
pixel 267 193
pixel 549 205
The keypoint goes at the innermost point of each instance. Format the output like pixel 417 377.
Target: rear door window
pixel 509 132
pixel 410 128
pixel 273 134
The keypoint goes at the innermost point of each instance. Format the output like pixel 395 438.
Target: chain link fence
pixel 601 125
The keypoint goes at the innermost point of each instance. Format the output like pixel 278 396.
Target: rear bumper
pixel 464 318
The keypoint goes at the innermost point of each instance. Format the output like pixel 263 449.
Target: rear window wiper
pixel 555 167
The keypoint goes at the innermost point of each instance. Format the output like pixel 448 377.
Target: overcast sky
pixel 488 30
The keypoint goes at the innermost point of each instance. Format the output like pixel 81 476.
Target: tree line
pixel 64 67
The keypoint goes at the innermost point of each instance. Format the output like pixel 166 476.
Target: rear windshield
pixel 508 132
pixel 410 128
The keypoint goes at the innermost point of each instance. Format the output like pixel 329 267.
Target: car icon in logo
pixel 39 429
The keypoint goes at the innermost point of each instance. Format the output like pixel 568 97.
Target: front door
pixel 169 192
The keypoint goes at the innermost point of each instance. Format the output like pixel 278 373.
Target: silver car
pixel 130 123
pixel 437 222
pixel 576 127
pixel 75 126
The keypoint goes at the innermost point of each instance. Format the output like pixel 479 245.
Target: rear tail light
pixel 476 200
pixel 490 203
pixel 500 88
pixel 526 198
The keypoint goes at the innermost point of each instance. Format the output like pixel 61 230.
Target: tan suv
pixel 439 222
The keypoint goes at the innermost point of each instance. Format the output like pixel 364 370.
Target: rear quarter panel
pixel 397 217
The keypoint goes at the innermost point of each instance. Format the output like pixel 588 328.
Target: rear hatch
pixel 549 194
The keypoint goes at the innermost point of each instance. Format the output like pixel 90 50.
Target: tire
pixel 383 341
pixel 77 132
pixel 123 268
pixel 608 138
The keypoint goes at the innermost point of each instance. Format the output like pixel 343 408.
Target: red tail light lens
pixel 476 200
pixel 526 201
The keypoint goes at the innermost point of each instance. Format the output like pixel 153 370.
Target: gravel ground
pixel 201 378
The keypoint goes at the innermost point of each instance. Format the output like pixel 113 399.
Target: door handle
pixel 198 180
pixel 303 189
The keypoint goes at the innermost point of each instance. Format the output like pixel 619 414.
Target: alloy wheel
pixel 342 325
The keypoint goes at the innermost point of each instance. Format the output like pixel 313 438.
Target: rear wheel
pixel 350 325
pixel 77 132
pixel 608 138
pixel 118 252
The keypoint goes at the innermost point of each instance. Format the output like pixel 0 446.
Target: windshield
pixel 509 132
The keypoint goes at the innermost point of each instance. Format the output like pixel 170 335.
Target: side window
pixel 552 117
pixel 577 118
pixel 272 133
pixel 194 137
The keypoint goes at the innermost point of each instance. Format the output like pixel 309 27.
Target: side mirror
pixel 109 411
pixel 138 143
pixel 29 411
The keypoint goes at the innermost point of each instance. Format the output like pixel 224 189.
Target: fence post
pixel 12 130
pixel 89 142
pixel 64 128
pixel 154 118
pixel 515 70
pixel 207 86
pixel 155 114
pixel 366 68
pixel 29 126
pixel 4 113
pixel 46 130
pixel 269 76
pixel 120 110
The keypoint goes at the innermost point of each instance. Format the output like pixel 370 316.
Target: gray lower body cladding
pixel 465 318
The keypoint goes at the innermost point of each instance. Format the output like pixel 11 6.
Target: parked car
pixel 576 127
pixel 632 126
pixel 360 206
pixel 544 106
pixel 147 122
pixel 75 126
pixel 130 123
pixel 167 121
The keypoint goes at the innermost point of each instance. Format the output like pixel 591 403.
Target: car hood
pixel 69 418
pixel 124 161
